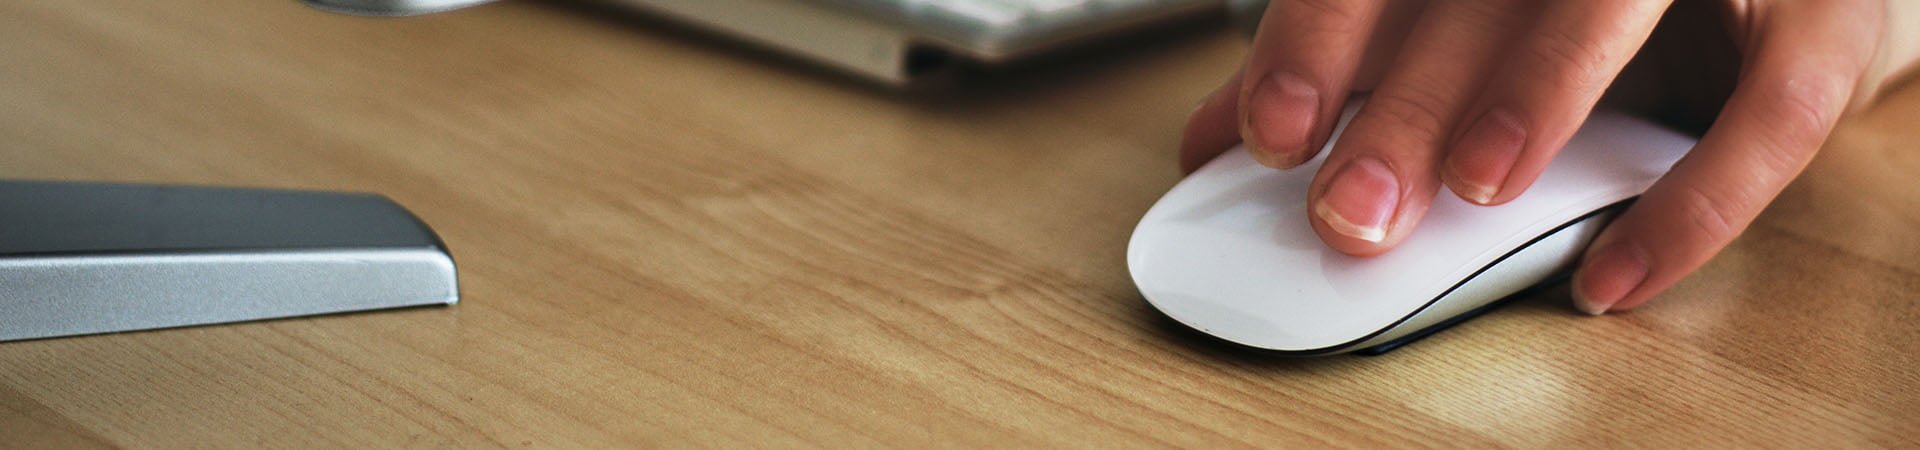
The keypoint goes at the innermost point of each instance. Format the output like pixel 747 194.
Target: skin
pixel 1478 95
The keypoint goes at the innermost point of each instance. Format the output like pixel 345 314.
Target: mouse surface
pixel 1229 250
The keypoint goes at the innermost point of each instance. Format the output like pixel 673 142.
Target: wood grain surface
pixel 668 240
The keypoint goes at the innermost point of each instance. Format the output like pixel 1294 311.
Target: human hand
pixel 1478 95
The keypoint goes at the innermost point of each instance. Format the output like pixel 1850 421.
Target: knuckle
pixel 1710 217
pixel 1807 105
pixel 1491 15
pixel 1326 16
pixel 1417 112
pixel 1579 63
pixel 1799 116
pixel 1331 9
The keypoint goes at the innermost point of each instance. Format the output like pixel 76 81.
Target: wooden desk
pixel 667 240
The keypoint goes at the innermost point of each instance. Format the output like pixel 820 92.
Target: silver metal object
pixel 391 7
pixel 84 258
pixel 891 41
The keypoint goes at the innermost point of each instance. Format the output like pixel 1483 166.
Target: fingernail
pixel 1480 160
pixel 1280 116
pixel 1360 199
pixel 1609 275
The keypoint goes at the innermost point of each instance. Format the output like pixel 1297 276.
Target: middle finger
pixel 1380 177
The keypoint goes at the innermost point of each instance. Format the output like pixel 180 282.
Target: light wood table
pixel 664 239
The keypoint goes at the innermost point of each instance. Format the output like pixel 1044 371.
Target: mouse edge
pixel 1586 227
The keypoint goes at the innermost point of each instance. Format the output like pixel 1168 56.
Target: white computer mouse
pixel 1229 250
